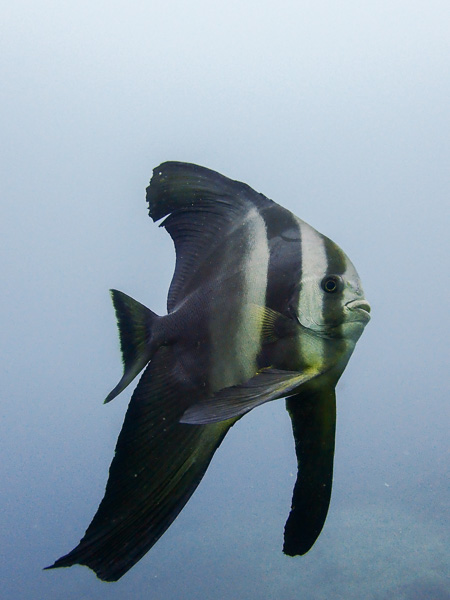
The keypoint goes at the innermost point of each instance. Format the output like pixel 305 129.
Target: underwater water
pixel 342 116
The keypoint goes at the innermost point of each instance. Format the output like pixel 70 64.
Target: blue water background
pixel 340 113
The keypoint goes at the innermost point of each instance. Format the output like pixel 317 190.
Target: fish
pixel 261 307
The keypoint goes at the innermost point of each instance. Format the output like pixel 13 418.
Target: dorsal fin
pixel 203 209
pixel 179 185
pixel 135 322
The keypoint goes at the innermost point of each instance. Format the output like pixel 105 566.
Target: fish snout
pixel 359 308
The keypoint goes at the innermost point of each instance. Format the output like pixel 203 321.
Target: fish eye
pixel 332 284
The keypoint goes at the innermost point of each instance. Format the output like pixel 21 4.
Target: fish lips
pixel 360 310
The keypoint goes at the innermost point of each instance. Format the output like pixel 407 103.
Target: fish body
pixel 261 306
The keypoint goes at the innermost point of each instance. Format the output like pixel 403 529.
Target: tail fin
pixel 135 322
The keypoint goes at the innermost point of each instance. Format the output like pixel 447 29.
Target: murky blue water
pixel 386 535
pixel 341 114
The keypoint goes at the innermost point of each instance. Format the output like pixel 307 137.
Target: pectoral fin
pixel 274 325
pixel 313 423
pixel 237 400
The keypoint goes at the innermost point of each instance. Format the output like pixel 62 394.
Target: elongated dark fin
pixel 268 384
pixel 179 185
pixel 157 465
pixel 135 322
pixel 313 423
pixel 206 213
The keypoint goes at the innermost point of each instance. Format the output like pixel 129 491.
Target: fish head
pixel 330 298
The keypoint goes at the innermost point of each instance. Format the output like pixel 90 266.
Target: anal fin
pixel 157 465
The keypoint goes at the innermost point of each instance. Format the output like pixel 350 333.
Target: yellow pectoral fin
pixel 272 324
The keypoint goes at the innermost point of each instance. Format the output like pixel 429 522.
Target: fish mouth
pixel 362 308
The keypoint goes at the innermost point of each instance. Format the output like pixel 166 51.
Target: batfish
pixel 261 306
